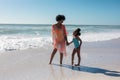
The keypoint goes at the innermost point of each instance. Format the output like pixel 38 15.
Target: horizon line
pixel 52 24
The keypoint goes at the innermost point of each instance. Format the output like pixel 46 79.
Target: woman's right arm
pixel 52 32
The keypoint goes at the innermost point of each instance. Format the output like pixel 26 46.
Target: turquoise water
pixel 45 30
pixel 24 36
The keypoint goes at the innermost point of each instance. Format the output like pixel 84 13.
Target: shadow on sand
pixel 91 70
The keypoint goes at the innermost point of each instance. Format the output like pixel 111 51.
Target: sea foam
pixel 19 37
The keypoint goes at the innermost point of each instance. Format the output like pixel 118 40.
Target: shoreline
pixel 86 44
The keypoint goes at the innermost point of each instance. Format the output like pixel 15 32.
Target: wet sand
pixel 100 61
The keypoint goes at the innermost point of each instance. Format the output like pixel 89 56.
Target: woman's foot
pixel 77 64
pixel 49 62
pixel 72 63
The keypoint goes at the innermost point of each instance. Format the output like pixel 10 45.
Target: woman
pixel 59 36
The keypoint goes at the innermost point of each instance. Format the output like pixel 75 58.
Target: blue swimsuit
pixel 76 42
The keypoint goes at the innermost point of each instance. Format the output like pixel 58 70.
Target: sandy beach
pixel 100 61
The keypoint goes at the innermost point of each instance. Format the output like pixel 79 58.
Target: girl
pixel 59 36
pixel 77 44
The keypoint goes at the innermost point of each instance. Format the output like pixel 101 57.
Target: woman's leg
pixel 52 55
pixel 61 58
pixel 73 54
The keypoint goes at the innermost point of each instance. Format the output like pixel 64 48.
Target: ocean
pixel 25 36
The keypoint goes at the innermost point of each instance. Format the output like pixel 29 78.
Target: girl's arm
pixel 70 42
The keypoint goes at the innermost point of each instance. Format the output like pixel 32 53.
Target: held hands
pixel 68 43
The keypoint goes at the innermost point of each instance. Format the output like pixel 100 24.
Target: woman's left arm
pixel 65 35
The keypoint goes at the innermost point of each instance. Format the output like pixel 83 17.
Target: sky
pixel 80 12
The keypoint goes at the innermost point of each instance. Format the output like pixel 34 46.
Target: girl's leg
pixel 52 55
pixel 61 58
pixel 73 54
pixel 79 57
